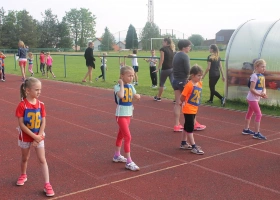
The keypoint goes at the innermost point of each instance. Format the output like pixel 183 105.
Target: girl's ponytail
pixel 22 91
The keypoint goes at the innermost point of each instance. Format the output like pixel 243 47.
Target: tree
pixel 196 39
pixel 108 40
pixel 48 30
pixel 63 37
pixel 2 14
pixel 131 40
pixel 151 30
pixel 81 24
pixel 9 38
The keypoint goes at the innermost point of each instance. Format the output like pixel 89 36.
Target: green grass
pixel 76 69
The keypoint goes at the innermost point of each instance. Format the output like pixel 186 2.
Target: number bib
pixel 32 119
pixel 128 95
pixel 195 96
pixel 260 82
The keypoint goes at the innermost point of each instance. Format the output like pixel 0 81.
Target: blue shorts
pixel 179 84
pixel 135 68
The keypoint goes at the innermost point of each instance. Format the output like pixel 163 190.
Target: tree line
pixel 76 28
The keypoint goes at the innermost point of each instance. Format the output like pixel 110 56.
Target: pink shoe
pixel 22 179
pixel 177 128
pixel 181 127
pixel 199 127
pixel 48 190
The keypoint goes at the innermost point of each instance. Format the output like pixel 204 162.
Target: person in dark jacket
pixel 89 62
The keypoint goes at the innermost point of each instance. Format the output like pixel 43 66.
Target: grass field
pixel 76 69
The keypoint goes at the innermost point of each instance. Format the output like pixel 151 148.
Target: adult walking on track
pixel 89 61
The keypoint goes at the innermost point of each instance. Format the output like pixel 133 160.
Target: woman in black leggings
pixel 214 68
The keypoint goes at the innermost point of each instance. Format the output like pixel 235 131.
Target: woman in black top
pixel 165 64
pixel 89 62
pixel 214 68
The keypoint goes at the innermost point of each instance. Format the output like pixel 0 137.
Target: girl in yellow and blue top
pixel 124 94
pixel 31 116
pixel 190 100
pixel 257 91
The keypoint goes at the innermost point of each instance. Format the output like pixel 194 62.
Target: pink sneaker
pixel 181 127
pixel 48 190
pixel 199 127
pixel 22 179
pixel 177 128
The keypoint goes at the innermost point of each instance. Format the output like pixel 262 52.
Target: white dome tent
pixel 252 40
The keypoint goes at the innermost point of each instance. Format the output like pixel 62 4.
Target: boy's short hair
pixel 196 70
pixel 184 43
pixel 134 51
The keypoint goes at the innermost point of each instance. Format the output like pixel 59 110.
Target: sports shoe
pixel 199 127
pixel 154 86
pixel 157 98
pixel 174 101
pixel 120 158
pixel 48 190
pixel 132 166
pixel 178 128
pixel 136 83
pixel 209 101
pixel 32 74
pixel 22 179
pixel 259 136
pixel 248 132
pixel 186 146
pixel 3 80
pixel 96 79
pixel 223 101
pixel 197 150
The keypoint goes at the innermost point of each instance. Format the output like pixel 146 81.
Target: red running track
pixel 81 132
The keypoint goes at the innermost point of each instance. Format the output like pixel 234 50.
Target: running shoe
pixel 199 127
pixel 132 166
pixel 209 102
pixel 197 150
pixel 177 128
pixel 22 179
pixel 223 101
pixel 119 158
pixel 48 190
pixel 186 146
pixel 157 98
pixel 259 136
pixel 248 132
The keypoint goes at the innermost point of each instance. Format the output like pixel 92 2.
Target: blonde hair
pixel 126 69
pixel 28 83
pixel 257 63
pixel 215 54
pixel 30 54
pixel 21 44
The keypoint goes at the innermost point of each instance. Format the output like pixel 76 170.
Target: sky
pixel 185 17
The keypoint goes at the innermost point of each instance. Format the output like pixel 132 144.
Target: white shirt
pixel 134 61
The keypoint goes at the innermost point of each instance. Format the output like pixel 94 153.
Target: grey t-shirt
pixel 181 66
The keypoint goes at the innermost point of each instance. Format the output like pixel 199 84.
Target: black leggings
pixel 212 83
pixel 153 75
pixel 102 72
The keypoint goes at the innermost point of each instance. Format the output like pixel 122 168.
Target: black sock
pixel 193 146
pixel 183 142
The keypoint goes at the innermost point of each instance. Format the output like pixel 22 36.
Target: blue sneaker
pixel 223 101
pixel 248 132
pixel 259 136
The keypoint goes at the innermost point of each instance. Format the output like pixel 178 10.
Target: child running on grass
pixel 153 65
pixel 49 62
pixel 124 93
pixel 30 63
pixel 190 100
pixel 257 91
pixel 32 121
pixel 2 57
pixel 134 62
pixel 42 62
pixel 103 66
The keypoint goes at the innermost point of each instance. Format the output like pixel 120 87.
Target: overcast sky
pixel 204 17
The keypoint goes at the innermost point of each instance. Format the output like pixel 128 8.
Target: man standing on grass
pixel 89 62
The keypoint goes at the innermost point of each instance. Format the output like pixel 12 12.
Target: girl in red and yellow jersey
pixel 190 99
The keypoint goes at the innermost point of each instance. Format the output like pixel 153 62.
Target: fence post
pixel 64 66
pixel 15 61
pixel 37 63
pixel 104 70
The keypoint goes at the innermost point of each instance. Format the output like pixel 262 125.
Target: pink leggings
pixel 30 68
pixel 254 108
pixel 124 133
